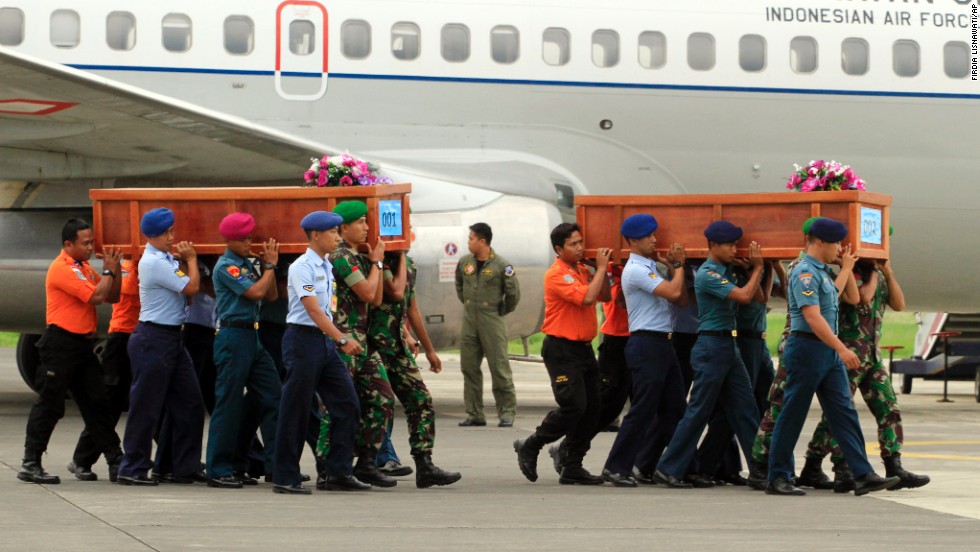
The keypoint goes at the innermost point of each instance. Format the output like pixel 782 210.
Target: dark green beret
pixel 351 210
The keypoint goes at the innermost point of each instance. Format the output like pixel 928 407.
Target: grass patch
pixel 9 339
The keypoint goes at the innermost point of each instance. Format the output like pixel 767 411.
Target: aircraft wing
pixel 59 123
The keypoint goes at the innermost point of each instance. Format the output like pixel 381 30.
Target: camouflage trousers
pixel 406 381
pixel 876 389
pixel 377 404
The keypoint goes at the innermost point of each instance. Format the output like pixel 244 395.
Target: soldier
pixel 487 286
pixel 72 290
pixel 163 374
pixel 570 294
pixel 359 289
pixel 815 363
pixel 388 335
pixel 312 365
pixel 241 360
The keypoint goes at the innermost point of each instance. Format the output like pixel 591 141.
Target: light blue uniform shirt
pixel 644 310
pixel 161 284
pixel 811 283
pixel 712 284
pixel 309 276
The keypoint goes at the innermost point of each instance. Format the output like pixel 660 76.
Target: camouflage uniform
pixel 385 337
pixel 860 331
pixel 366 369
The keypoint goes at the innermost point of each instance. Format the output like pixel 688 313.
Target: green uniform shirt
pixel 860 325
pixel 492 287
pixel 350 268
pixel 386 321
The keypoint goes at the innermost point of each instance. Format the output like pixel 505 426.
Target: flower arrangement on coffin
pixel 341 170
pixel 823 176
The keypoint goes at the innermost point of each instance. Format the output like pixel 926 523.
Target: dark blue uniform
pixel 813 367
pixel 242 363
pixel 720 377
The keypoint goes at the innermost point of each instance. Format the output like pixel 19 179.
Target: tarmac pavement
pixel 493 507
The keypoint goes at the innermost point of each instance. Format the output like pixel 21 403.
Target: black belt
pixel 805 335
pixel 61 330
pixel 651 333
pixel 163 326
pixel 572 341
pixel 240 324
pixel 751 334
pixel 305 328
pixel 719 333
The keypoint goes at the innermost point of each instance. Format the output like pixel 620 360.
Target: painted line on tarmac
pixel 872 448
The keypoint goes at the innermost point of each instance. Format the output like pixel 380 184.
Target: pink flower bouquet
pixel 342 170
pixel 823 176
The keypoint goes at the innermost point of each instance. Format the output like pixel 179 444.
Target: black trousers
pixel 575 384
pixel 118 377
pixel 68 363
pixel 615 381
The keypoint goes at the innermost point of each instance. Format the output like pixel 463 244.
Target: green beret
pixel 351 210
pixel 891 230
pixel 807 223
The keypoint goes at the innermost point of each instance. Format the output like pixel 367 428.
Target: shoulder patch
pixel 234 271
pixel 807 293
pixel 714 274
pixel 509 270
pixel 78 272
pixel 568 279
pixel 308 288
pixel 179 273
pixel 806 278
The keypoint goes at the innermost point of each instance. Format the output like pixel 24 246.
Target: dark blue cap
pixel 828 230
pixel 722 231
pixel 321 220
pixel 638 226
pixel 156 221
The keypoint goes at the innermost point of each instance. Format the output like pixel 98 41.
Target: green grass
pixel 8 339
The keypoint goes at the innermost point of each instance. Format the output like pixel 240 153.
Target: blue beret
pixel 722 231
pixel 156 222
pixel 321 220
pixel 828 230
pixel 638 226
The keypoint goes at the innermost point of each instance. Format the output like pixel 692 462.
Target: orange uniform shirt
pixel 68 287
pixel 617 322
pixel 564 315
pixel 126 313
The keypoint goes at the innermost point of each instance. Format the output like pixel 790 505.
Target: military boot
pixel 843 478
pixel 321 474
pixel 527 456
pixel 813 475
pixel 428 474
pixel 558 454
pixel 31 471
pixel 367 472
pixel 758 478
pixel 907 479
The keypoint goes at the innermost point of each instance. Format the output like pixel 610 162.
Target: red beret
pixel 237 226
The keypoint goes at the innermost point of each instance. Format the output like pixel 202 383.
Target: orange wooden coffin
pixel 772 219
pixel 277 210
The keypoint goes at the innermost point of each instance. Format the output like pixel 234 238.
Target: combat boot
pixel 575 474
pixel 843 478
pixel 31 471
pixel 758 475
pixel 812 475
pixel 367 472
pixel 557 454
pixel 428 474
pixel 527 456
pixel 873 482
pixel 907 479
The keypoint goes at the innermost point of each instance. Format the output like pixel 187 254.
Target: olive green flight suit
pixel 487 295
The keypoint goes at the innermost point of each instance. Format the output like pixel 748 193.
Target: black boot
pixel 31 471
pixel 367 472
pixel 782 487
pixel 843 479
pixel 907 479
pixel 321 474
pixel 758 475
pixel 873 482
pixel 558 454
pixel 428 474
pixel 527 456
pixel 813 475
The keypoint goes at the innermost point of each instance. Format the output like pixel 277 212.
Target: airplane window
pixel 120 30
pixel 752 53
pixel 803 54
pixel 239 35
pixel 565 196
pixel 405 40
pixel 556 46
pixel 956 56
pixel 905 58
pixel 701 51
pixel 653 50
pixel 505 44
pixel 11 26
pixel 854 56
pixel 65 29
pixel 605 48
pixel 455 42
pixel 176 32
pixel 355 39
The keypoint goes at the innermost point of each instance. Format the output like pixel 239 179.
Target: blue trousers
pixel 719 378
pixel 313 366
pixel 163 377
pixel 387 452
pixel 658 392
pixel 242 363
pixel 813 367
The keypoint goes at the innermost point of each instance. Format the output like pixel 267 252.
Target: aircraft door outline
pixel 301 53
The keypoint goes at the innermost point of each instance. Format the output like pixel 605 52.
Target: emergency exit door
pixel 301 50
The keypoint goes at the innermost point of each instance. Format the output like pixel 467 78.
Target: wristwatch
pixel 678 264
pixel 268 266
pixel 379 264
pixel 342 341
pixel 108 272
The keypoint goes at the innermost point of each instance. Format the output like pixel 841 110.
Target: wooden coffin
pixel 117 212
pixel 772 219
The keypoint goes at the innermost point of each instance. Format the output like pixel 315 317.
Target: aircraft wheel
pixel 28 359
pixel 906 384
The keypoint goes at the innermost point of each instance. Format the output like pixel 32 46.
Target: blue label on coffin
pixel 871 230
pixel 390 215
